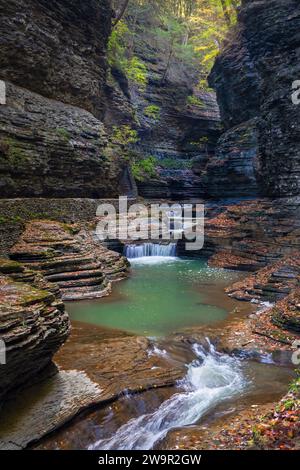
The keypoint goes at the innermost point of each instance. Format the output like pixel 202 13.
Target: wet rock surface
pixel 45 407
pixel 97 366
pixel 117 361
pixel 265 427
pixel 33 325
pixel 69 258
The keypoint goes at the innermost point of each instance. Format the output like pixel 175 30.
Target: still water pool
pixel 162 295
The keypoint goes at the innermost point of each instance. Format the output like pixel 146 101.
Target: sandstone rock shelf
pixel 33 325
pixel 70 258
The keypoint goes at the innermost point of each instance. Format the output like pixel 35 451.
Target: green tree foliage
pixel 152 111
pixel 136 71
pixel 195 101
pixel 210 25
pixel 144 168
pixel 124 135
pixel 189 30
pixel 118 57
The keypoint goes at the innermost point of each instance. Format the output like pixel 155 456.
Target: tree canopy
pixel 193 30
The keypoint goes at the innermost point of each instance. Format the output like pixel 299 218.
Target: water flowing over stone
pixel 211 379
pixel 150 249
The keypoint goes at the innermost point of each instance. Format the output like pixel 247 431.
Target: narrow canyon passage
pixel 126 128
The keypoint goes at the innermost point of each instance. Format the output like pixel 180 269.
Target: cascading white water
pixel 210 380
pixel 150 249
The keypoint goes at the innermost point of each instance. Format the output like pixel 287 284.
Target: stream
pixel 210 379
pixel 163 295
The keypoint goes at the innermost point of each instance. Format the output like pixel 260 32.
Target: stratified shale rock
pixel 51 149
pixel 286 313
pixel 53 142
pixel 69 259
pixel 57 49
pixel 182 139
pixel 33 325
pixel 271 283
pixel 252 234
pixel 96 366
pixel 176 122
pixel 231 172
pixel 253 77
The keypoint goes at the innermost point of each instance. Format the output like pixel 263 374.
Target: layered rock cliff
pixel 48 148
pixel 33 325
pixel 253 79
pixel 57 49
pixel 177 123
pixel 53 62
pixel 69 258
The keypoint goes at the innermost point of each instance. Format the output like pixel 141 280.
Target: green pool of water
pixel 161 296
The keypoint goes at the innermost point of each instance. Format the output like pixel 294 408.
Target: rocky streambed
pixel 107 376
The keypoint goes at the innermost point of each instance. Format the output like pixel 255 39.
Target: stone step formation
pixel 69 258
pixel 33 325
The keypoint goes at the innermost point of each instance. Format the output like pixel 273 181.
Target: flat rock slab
pixel 45 407
pixel 96 366
pixel 117 361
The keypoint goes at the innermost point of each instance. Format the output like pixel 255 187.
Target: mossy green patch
pixel 63 133
pixel 13 150
pixel 8 266
pixel 152 111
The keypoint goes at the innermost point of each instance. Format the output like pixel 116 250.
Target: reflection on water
pixel 165 294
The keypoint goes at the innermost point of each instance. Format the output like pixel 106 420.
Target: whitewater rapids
pixel 211 379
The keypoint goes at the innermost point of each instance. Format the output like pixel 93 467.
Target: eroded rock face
pixel 97 366
pixel 231 172
pixel 57 49
pixel 253 77
pixel 271 283
pixel 33 325
pixel 53 142
pixel 69 258
pixel 182 139
pixel 51 149
pixel 176 122
pixel 252 234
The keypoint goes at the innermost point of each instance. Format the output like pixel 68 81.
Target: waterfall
pixel 150 249
pixel 210 380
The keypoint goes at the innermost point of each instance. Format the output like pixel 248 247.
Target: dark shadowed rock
pixel 253 77
pixel 57 49
pixel 231 172
pixel 49 149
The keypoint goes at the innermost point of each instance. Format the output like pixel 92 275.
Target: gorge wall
pixel 177 123
pixel 253 79
pixel 53 142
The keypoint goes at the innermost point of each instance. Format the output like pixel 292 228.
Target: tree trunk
pixel 121 13
pixel 235 5
pixel 168 65
pixel 226 12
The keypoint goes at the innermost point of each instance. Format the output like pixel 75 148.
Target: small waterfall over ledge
pixel 150 249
